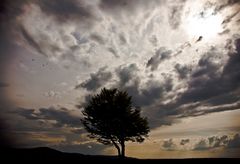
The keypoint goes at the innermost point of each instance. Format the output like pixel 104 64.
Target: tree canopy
pixel 111 118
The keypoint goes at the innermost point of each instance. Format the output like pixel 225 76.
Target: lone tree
pixel 111 118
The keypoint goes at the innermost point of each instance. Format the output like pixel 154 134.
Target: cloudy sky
pixel 178 59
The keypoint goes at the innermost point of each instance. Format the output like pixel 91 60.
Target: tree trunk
pixel 123 149
pixel 117 147
pixel 119 151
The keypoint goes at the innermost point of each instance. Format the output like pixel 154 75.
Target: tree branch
pixel 116 145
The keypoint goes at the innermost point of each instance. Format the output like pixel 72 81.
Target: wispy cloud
pixel 60 116
pixel 96 80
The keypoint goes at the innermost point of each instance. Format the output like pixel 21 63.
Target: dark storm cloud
pixel 234 142
pixel 62 116
pixel 12 28
pixel 65 10
pixel 207 83
pixel 9 9
pixel 221 6
pixel 129 80
pixel 188 112
pixel 80 12
pixel 204 144
pixel 211 140
pixel 78 131
pixel 160 55
pixel 24 124
pixel 149 95
pixel 229 18
pixel 96 80
pixel 112 4
pixel 233 2
pixel 169 114
pixel 125 4
pixel 218 141
pixel 201 145
pixel 169 145
pixel 27 113
pixel 184 141
pixel 229 45
pixel 117 7
pixel 154 92
pixel 237 44
pixel 183 71
pixel 209 90
pixel 127 73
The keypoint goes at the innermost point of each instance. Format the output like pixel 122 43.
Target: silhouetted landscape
pixel 45 154
pixel 119 80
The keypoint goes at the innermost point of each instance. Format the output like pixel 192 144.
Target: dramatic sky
pixel 178 59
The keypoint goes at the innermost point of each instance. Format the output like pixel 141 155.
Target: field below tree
pixel 44 154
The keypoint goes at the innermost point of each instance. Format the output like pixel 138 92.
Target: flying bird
pixel 199 39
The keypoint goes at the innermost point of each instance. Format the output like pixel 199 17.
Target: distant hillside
pixel 45 154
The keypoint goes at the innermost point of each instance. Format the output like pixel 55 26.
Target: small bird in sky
pixel 199 39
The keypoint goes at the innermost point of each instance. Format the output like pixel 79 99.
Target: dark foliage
pixel 110 118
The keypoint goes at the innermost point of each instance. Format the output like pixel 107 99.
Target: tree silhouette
pixel 110 118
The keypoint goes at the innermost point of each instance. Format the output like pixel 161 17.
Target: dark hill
pixel 45 155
